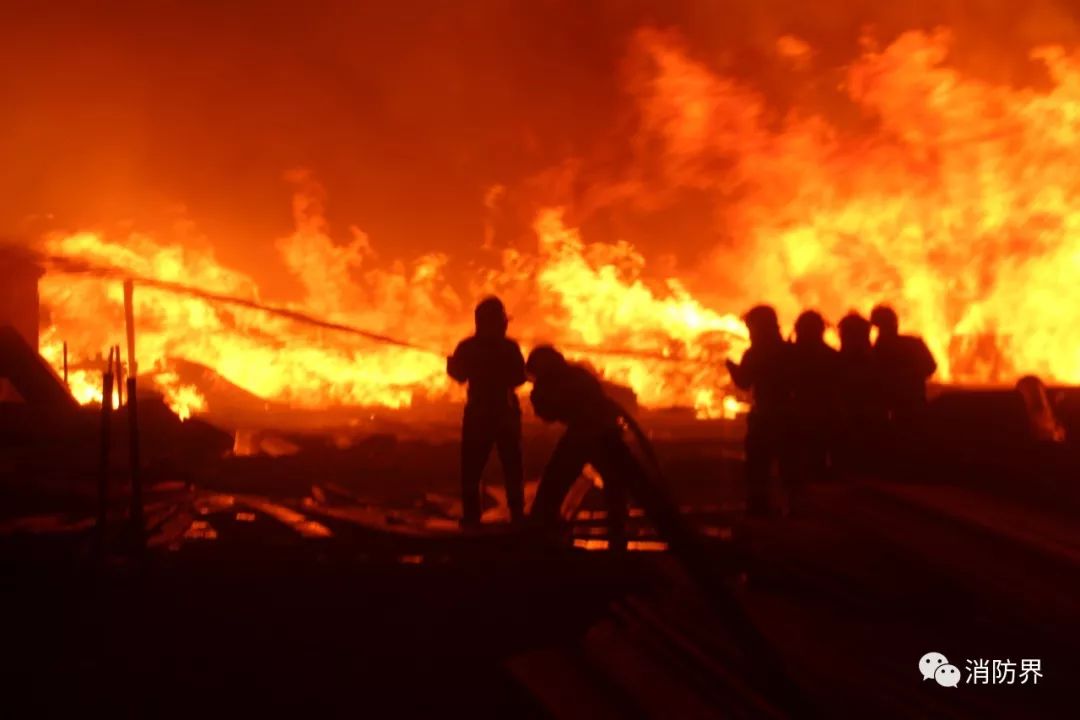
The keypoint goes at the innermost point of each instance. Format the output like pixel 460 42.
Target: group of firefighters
pixel 818 411
pixel 815 410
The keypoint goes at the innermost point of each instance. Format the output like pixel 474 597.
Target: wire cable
pixel 80 267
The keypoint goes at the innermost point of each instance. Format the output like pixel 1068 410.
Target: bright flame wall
pixel 945 194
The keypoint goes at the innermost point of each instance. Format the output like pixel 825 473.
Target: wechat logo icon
pixel 935 666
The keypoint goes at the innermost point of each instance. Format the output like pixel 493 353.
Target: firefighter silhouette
pixel 493 366
pixel 861 412
pixel 766 370
pixel 814 380
pixel 904 364
pixel 569 394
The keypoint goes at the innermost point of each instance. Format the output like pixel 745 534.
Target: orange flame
pixel 953 204
pixel 594 293
pixel 951 201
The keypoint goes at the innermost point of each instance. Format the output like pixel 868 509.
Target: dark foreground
pixel 327 602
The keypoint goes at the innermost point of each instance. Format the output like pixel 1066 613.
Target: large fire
pixel 669 349
pixel 954 204
pixel 951 201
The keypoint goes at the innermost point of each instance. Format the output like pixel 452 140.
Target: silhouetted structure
pixel 27 377
pixel 815 377
pixel 493 367
pixel 1042 420
pixel 19 305
pixel 904 364
pixel 765 369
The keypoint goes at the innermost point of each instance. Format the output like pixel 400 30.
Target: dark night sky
pixel 406 111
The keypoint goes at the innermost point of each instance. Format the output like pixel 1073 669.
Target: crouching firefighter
pixel 569 394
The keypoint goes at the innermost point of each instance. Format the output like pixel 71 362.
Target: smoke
pixel 180 118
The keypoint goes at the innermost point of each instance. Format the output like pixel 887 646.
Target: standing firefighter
pixel 815 376
pixel 569 394
pixel 493 367
pixel 861 412
pixel 904 364
pixel 766 370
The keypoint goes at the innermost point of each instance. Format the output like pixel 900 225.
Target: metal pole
pixel 133 418
pixel 119 380
pixel 103 459
pixel 136 478
pixel 129 323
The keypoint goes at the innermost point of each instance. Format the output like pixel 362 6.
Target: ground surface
pixel 333 583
